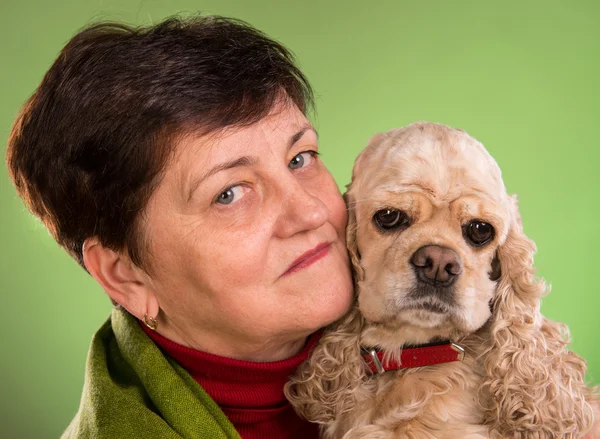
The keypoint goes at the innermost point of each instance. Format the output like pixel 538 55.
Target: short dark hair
pixel 89 146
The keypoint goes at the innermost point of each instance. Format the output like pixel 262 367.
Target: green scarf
pixel 132 390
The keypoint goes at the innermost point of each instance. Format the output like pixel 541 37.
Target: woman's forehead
pixel 196 156
pixel 275 129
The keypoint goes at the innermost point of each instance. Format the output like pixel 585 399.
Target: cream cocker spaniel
pixel 440 260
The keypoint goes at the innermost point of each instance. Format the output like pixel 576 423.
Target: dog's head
pixel 438 250
pixel 428 214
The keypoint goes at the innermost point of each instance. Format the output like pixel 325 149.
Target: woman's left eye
pixel 231 195
pixel 303 159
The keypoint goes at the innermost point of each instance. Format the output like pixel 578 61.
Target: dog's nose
pixel 436 265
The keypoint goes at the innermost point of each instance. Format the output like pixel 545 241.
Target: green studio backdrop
pixel 521 76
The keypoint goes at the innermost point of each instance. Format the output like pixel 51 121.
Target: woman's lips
pixel 309 258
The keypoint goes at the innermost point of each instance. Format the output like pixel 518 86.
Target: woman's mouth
pixel 308 258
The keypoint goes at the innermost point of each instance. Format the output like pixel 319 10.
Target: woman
pixel 176 164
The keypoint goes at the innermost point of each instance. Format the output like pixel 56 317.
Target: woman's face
pixel 246 238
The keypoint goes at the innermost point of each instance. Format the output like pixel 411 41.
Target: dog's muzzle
pixel 436 266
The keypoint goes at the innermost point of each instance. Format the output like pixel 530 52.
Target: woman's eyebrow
pixel 243 161
pixel 300 133
pixel 240 161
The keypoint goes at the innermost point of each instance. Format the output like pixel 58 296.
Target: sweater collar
pixel 236 383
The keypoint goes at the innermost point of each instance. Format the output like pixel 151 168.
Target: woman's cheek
pixel 239 214
pixel 337 207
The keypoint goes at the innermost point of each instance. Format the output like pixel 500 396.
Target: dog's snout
pixel 436 265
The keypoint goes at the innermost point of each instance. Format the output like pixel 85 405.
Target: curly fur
pixel 536 385
pixel 518 380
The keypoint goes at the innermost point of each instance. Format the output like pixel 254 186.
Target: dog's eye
pixel 388 219
pixel 478 233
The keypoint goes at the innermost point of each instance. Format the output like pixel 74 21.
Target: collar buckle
pixel 459 350
pixel 375 359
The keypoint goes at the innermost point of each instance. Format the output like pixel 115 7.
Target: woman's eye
pixel 303 159
pixel 231 195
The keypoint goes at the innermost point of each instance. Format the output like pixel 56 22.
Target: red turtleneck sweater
pixel 250 394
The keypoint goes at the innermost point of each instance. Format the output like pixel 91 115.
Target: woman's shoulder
pixel 132 390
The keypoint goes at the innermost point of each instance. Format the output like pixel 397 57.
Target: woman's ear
pixel 124 282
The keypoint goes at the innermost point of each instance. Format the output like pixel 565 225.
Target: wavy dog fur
pixel 536 386
pixel 518 380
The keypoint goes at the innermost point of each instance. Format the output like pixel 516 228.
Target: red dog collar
pixel 424 355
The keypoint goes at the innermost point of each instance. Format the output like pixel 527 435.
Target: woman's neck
pixel 237 346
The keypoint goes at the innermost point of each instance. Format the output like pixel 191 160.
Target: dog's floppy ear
pixel 324 386
pixel 495 268
pixel 536 386
pixel 351 243
pixel 351 200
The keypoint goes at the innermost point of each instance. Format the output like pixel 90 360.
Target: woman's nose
pixel 300 211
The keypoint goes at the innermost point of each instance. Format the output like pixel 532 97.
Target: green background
pixel 522 77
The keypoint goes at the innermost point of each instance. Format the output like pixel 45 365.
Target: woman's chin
pixel 332 302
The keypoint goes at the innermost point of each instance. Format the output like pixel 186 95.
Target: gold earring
pixel 150 322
